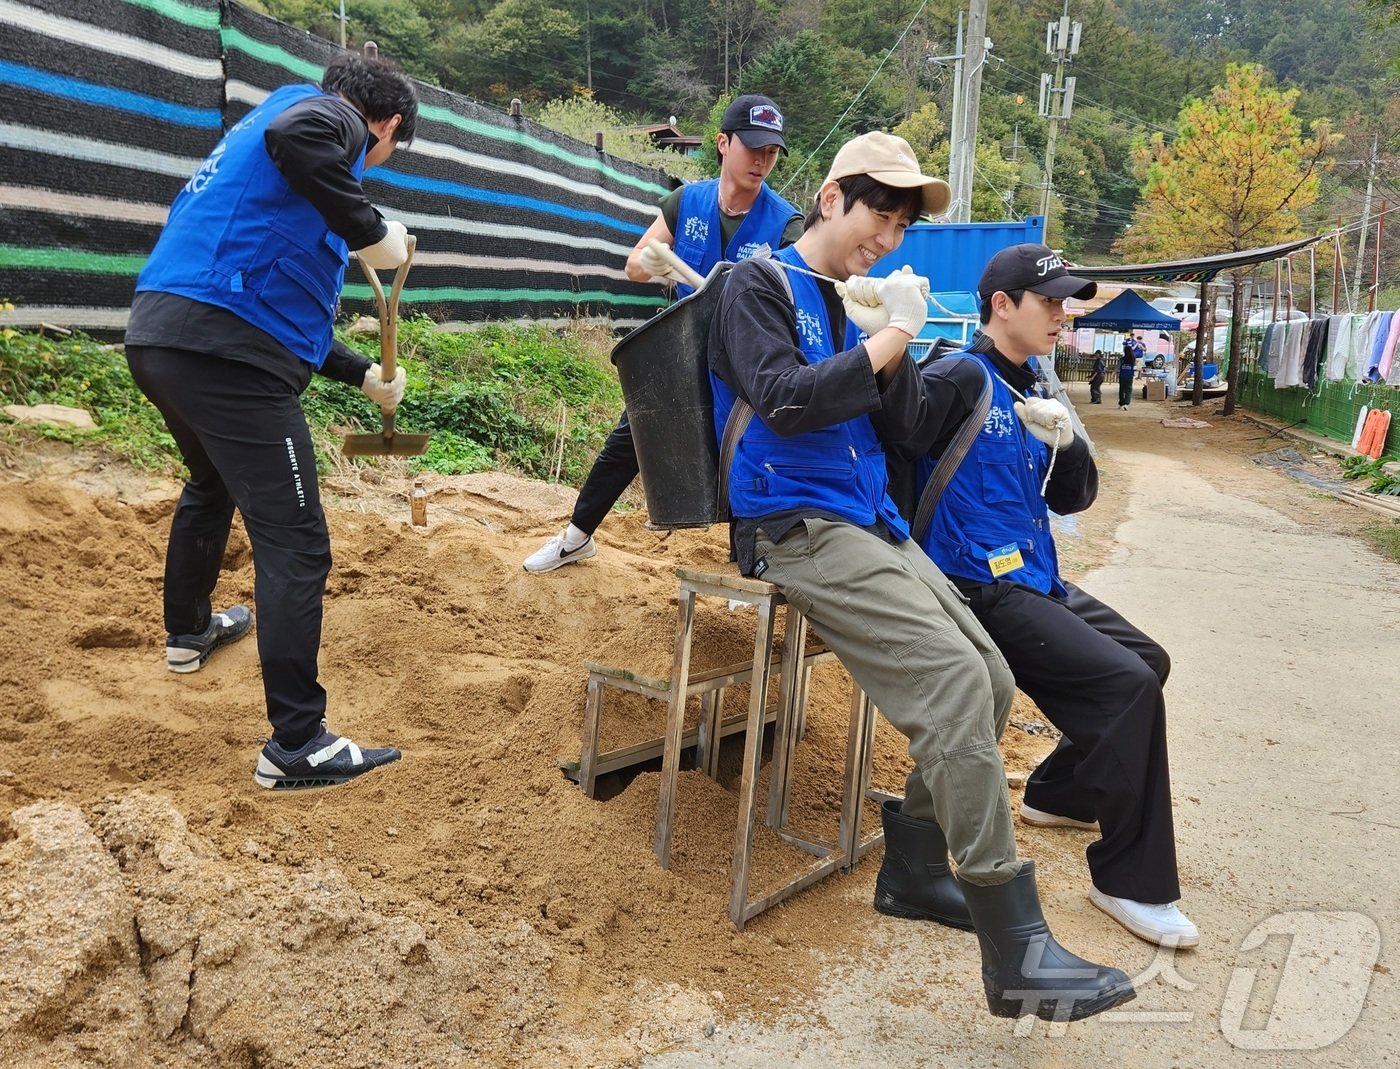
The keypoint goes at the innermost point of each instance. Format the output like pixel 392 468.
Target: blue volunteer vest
pixel 993 501
pixel 839 469
pixel 240 238
pixel 697 222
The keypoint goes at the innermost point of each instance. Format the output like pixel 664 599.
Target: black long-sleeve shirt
pixel 315 144
pixel 949 395
pixel 754 349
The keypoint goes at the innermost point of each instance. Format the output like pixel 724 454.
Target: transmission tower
pixel 1057 95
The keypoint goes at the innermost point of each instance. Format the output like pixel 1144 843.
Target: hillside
pixel 848 65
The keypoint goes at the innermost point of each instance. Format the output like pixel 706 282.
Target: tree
pixel 581 117
pixel 737 25
pixel 1236 177
pixel 801 75
pixel 672 84
pixel 534 44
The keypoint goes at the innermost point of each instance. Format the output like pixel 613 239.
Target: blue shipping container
pixel 952 255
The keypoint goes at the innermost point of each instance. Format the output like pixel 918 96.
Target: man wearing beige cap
pixel 811 513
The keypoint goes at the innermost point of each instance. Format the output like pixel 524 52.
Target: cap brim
pixel 937 193
pixel 1081 289
pixel 761 138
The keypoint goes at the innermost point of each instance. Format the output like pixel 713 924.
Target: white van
pixel 1176 307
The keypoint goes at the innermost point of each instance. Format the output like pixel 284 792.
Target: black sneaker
pixel 326 761
pixel 187 653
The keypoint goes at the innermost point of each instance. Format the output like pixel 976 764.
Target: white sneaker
pixel 1163 924
pixel 1039 818
pixel 553 555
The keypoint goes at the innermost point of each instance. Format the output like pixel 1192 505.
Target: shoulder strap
pixel 741 413
pixel 953 456
pixel 734 428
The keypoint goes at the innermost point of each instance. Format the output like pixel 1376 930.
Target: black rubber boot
pixel 914 880
pixel 1024 971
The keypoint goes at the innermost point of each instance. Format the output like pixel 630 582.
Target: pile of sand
pixel 467 906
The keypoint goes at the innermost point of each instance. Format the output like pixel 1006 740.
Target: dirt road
pixel 470 907
pixel 1285 639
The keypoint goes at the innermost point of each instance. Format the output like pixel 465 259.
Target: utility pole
pixel 1062 42
pixel 977 46
pixel 955 124
pixel 1365 218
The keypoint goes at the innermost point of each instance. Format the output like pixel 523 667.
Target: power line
pixel 856 99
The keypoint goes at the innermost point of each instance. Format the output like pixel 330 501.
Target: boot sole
pixel 1049 1008
pixel 892 909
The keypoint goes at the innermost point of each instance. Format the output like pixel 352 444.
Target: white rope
pixel 1054 452
pixel 804 271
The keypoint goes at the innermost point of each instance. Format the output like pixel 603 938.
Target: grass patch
pixel 527 399
pixel 1384 539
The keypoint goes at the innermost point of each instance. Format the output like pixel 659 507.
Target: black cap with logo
pixel 1037 268
pixel 756 120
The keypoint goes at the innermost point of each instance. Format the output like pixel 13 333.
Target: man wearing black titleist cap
pixel 1092 673
pixel 732 217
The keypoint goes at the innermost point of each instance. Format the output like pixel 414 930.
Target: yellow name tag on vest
pixel 1003 560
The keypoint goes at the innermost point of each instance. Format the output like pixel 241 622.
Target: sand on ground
pixel 470 906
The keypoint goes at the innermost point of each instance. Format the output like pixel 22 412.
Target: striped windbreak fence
pixel 108 106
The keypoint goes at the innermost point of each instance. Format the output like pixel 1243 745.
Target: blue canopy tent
pixel 1127 311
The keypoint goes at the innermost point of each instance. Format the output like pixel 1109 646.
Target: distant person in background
pixel 1127 370
pixel 732 217
pixel 1096 377
pixel 233 312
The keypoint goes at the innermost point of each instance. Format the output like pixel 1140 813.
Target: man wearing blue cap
pixel 732 217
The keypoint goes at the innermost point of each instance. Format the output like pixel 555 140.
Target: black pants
pixel 1096 390
pixel 612 473
pixel 1125 390
pixel 1099 680
pixel 244 438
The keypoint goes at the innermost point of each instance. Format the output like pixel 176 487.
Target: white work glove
pixel 904 297
pixel 657 265
pixel 860 296
pixel 386 395
pixel 1047 420
pixel 389 251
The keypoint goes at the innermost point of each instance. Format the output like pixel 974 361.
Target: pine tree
pixel 1236 176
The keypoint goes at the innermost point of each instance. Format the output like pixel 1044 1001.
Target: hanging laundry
pixel 1373 362
pixel 1389 367
pixel 1338 347
pixel 1313 352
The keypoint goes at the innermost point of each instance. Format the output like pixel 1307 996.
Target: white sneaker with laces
pixel 1160 923
pixel 554 554
pixel 1039 818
